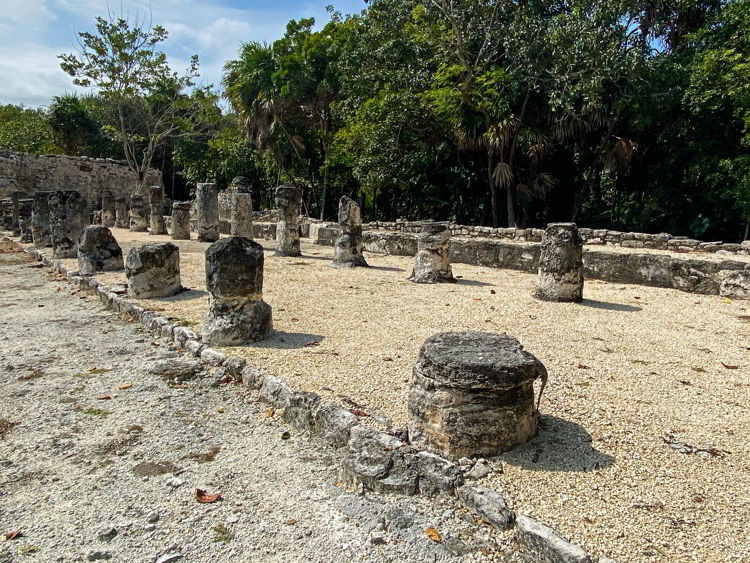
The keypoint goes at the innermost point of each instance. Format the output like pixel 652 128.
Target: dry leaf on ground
pixel 206 498
pixel 434 535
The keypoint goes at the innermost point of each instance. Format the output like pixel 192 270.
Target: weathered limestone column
pixel 153 270
pixel 98 251
pixel 561 264
pixel 156 199
pixel 67 218
pixel 109 214
pixel 471 394
pixel 24 219
pixel 138 214
pixel 122 221
pixel 40 220
pixel 348 247
pixel 289 202
pixel 240 208
pixel 181 220
pixel 432 263
pixel 237 313
pixel 6 209
pixel 14 227
pixel 207 206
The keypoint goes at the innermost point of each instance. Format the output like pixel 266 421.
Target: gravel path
pixel 84 477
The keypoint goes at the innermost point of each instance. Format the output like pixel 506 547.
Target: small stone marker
pixel 156 199
pixel 432 263
pixel 98 251
pixel 289 201
pixel 237 313
pixel 138 214
pixel 153 270
pixel 122 220
pixel 561 264
pixel 348 251
pixel 67 213
pixel 207 206
pixel 472 395
pixel 181 220
pixel 109 212
pixel 40 220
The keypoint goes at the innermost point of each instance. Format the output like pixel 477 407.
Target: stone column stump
pixel 6 208
pixel 207 207
pixel 240 210
pixel 122 221
pixel 67 218
pixel 348 247
pixel 138 214
pixel 561 264
pixel 237 313
pixel 14 227
pixel 109 212
pixel 181 220
pixel 156 199
pixel 98 251
pixel 153 270
pixel 25 207
pixel 289 202
pixel 432 264
pixel 471 394
pixel 40 220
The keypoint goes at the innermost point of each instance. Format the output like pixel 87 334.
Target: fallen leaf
pixel 104 397
pixel 294 319
pixel 13 535
pixel 269 412
pixel 582 366
pixel 477 298
pixel 206 498
pixel 684 381
pixel 291 522
pixel 312 343
pixel 636 297
pixel 358 412
pixel 124 386
pixel 286 436
pixel 155 343
pixel 387 359
pixel 493 292
pixel 179 386
pixel 434 535
pixel 729 366
pixel 698 369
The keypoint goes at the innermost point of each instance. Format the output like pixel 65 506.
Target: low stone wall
pixel 661 241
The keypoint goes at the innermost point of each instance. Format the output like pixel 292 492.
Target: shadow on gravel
pixel 290 340
pixel 560 445
pixel 610 306
pixel 386 268
pixel 186 295
pixel 461 281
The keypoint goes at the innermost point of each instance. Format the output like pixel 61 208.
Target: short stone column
pixel 14 227
pixel 471 394
pixel 98 251
pixel 432 264
pixel 240 208
pixel 109 213
pixel 122 220
pixel 6 208
pixel 289 202
pixel 24 219
pixel 40 233
pixel 156 200
pixel 561 264
pixel 139 214
pixel 67 218
pixel 348 247
pixel 207 207
pixel 181 220
pixel 153 270
pixel 237 313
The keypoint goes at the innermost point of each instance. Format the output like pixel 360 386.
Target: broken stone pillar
pixel 181 220
pixel 471 394
pixel 40 233
pixel 14 227
pixel 24 219
pixel 138 214
pixel 67 218
pixel 432 264
pixel 98 251
pixel 6 208
pixel 240 208
pixel 561 264
pixel 207 207
pixel 153 270
pixel 289 202
pixel 156 199
pixel 122 221
pixel 109 214
pixel 237 313
pixel 348 251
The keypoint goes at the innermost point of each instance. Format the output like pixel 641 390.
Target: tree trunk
pixel 494 199
pixel 324 194
pixel 747 229
pixel 511 206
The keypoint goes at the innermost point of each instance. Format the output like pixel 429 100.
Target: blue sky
pixel 34 32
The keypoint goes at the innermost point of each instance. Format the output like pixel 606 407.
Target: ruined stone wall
pixel 661 241
pixel 90 176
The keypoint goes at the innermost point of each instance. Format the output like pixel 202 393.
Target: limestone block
pixel 40 230
pixel 207 207
pixel 138 214
pixel 241 214
pixel 561 264
pixel 98 251
pixel 348 251
pixel 122 220
pixel 67 211
pixel 288 200
pixel 180 225
pixel 432 263
pixel 153 270
pixel 156 218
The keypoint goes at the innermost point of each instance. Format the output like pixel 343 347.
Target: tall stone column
pixel 207 206
pixel 181 220
pixel 6 208
pixel 40 232
pixel 432 263
pixel 156 199
pixel 67 218
pixel 237 313
pixel 138 214
pixel 240 208
pixel 289 202
pixel 472 394
pixel 14 227
pixel 122 220
pixel 109 214
pixel 561 264
pixel 348 251
pixel 24 219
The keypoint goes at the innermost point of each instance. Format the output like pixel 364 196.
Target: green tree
pixel 26 130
